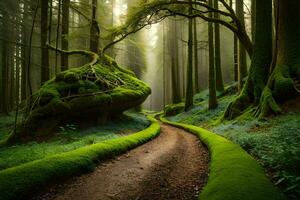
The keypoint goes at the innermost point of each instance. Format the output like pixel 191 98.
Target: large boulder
pixel 94 93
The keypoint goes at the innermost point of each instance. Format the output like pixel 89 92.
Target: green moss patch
pixel 93 92
pixel 174 109
pixel 19 182
pixel 234 174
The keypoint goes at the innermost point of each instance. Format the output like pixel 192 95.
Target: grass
pixel 69 138
pixel 274 142
pixel 22 180
pixel 234 174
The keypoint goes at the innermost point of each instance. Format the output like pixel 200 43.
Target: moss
pixel 238 105
pixel 267 104
pixel 19 182
pixel 174 109
pixel 234 174
pixel 89 91
pixel 283 86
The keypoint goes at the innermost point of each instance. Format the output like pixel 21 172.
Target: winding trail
pixel 173 166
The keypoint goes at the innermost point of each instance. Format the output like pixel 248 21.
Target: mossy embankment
pixel 234 174
pixel 68 138
pixel 19 182
pixel 93 93
pixel 273 141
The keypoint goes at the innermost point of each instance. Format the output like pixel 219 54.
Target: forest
pixel 149 99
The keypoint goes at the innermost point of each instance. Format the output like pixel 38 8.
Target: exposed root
pixel 237 106
pixel 267 104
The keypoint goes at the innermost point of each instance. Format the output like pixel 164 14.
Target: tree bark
pixel 4 78
pixel 44 38
pixel 196 58
pixel 189 79
pixel 213 103
pixel 65 34
pixel 94 30
pixel 219 77
pixel 253 16
pixel 242 63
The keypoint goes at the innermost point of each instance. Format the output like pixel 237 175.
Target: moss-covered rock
pixel 93 92
pixel 174 109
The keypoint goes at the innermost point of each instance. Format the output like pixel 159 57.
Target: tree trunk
pixel 189 73
pixel 94 30
pixel 283 83
pixel 24 53
pixel 242 63
pixel 260 62
pixel 213 103
pixel 4 78
pixel 44 38
pixel 57 34
pixel 219 77
pixel 173 48
pixel 65 34
pixel 235 52
pixel 196 58
pixel 253 16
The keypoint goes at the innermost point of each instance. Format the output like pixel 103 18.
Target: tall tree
pixel 219 77
pixel 65 34
pixel 253 15
pixel 94 29
pixel 260 62
pixel 196 58
pixel 242 62
pixel 189 79
pixel 235 52
pixel 57 33
pixel 173 49
pixel 213 103
pixel 45 72
pixel 4 80
pixel 283 83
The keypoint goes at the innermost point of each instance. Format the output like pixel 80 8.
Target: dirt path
pixel 172 166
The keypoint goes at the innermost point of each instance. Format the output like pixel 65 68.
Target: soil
pixel 173 166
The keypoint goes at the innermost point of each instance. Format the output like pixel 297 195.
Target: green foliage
pixel 234 174
pixel 20 181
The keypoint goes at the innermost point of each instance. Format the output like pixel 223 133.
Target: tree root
pixel 267 104
pixel 237 106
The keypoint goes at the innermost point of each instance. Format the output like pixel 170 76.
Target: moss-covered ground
pixel 274 141
pixel 68 138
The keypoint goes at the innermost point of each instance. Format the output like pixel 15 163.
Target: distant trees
pixel 25 60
